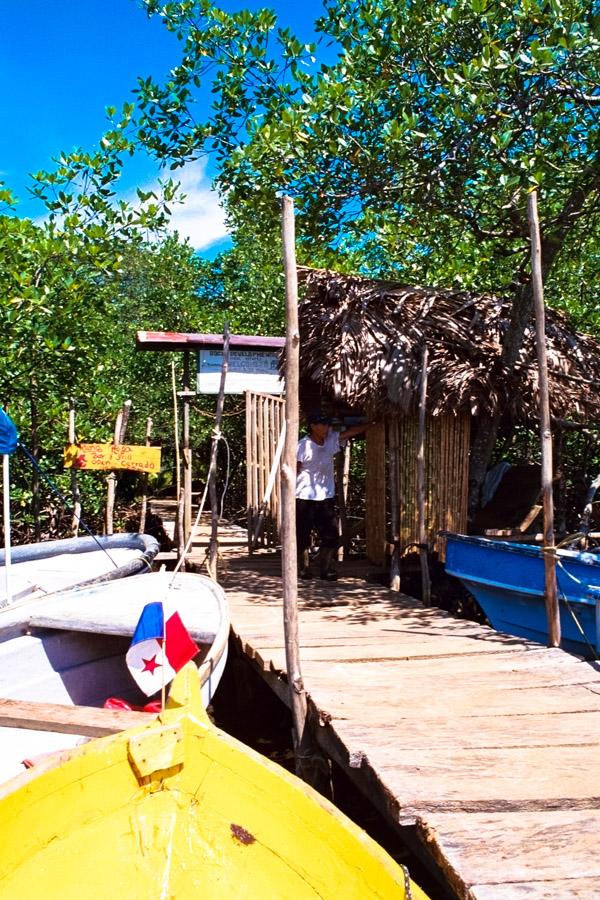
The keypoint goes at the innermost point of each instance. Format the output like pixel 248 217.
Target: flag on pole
pixel 9 436
pixel 161 646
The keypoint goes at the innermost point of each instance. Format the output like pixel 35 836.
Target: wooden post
pixel 177 454
pixel 180 537
pixel 422 485
pixel 394 510
pixel 35 479
pixel 269 488
pixel 213 547
pixel 144 508
pixel 6 520
pixel 250 506
pixel 187 453
pixel 75 493
pixel 551 594
pixel 111 479
pixel 309 764
pixel 342 467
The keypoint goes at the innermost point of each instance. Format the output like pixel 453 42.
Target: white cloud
pixel 200 217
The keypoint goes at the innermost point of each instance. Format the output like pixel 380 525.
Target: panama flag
pixel 161 646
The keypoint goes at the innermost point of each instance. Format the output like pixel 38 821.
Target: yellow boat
pixel 178 809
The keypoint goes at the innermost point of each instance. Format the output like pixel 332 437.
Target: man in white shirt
pixel 315 492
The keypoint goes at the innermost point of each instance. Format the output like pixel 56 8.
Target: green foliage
pixel 411 154
pixel 245 286
pixel 73 292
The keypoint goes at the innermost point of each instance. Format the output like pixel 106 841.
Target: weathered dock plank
pixel 459 728
pixel 500 856
pixel 488 744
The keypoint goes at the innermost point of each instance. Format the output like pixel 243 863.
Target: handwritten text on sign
pixel 112 456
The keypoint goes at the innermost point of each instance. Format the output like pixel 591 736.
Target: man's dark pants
pixel 320 515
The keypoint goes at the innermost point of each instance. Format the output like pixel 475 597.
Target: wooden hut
pixel 362 343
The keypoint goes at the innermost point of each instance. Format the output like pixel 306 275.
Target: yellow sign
pixel 112 456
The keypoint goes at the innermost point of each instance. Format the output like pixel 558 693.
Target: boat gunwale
pixel 76 545
pixel 531 550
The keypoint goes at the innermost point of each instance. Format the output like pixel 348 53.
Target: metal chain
pixel 407 890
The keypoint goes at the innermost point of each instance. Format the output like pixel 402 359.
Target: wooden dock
pixel 488 745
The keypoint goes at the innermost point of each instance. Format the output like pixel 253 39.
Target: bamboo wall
pixel 265 417
pixel 447 442
pixel 375 491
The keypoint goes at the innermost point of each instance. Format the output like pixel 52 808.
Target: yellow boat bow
pixel 178 809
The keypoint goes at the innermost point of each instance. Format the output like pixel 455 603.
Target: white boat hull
pixel 37 570
pixel 74 653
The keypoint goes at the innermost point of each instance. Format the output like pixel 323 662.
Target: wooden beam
pixel 86 720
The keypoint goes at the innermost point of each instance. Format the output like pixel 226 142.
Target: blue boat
pixel 507 580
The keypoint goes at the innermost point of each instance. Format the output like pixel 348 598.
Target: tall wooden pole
pixel 75 492
pixel 180 547
pixel 422 485
pixel 6 519
pixel 144 506
pixel 394 507
pixel 111 479
pixel 213 546
pixel 289 554
pixel 187 453
pixel 551 594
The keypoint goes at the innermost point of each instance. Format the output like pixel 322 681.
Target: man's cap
pixel 319 418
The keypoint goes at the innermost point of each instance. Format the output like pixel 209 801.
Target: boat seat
pixel 515 505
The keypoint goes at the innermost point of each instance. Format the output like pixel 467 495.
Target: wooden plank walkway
pixel 488 744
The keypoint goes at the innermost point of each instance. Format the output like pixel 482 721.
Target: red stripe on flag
pixel 179 646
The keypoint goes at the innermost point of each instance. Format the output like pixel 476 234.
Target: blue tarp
pixel 9 436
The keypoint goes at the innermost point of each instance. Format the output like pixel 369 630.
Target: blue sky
pixel 62 62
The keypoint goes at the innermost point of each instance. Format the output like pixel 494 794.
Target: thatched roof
pixel 362 342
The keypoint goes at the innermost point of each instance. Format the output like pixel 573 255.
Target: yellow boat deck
pixel 177 809
pixel 488 744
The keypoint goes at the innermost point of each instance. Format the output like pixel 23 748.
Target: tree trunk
pixel 552 243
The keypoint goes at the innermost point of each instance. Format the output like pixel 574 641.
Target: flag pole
pixel 6 506
pixel 164 649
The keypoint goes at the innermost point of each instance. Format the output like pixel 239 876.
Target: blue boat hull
pixel 507 580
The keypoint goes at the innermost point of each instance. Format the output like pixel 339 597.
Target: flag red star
pixel 150 664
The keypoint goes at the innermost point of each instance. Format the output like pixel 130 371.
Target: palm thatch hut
pixel 362 342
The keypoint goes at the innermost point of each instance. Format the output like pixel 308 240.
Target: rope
pixel 211 415
pixel 66 503
pixel 219 437
pixel 571 610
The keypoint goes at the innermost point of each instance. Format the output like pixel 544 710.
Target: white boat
pixel 50 566
pixel 70 649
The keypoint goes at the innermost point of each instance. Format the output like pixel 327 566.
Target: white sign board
pixel 248 370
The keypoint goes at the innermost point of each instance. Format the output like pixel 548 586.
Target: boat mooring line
pixel 572 611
